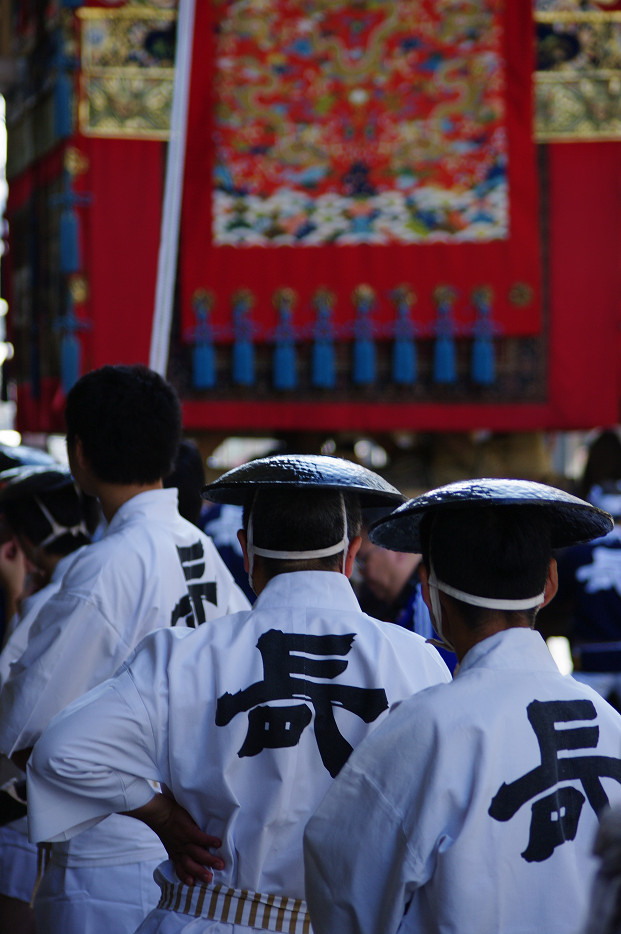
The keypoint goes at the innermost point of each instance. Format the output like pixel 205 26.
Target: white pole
pixel 173 189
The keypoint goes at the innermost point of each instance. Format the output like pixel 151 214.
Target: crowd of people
pixel 224 741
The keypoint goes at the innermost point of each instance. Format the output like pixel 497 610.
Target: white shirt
pixel 151 569
pixel 227 717
pixel 14 648
pixel 428 827
pixel 19 626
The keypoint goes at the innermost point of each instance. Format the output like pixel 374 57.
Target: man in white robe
pixel 244 723
pixel 48 520
pixel 151 569
pixel 473 808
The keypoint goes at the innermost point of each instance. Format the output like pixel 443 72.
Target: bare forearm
pixel 187 845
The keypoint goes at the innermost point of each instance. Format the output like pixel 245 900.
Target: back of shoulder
pixel 157 648
pixel 90 561
pixel 420 660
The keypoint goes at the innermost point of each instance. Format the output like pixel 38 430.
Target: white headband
pixel 253 549
pixel 491 603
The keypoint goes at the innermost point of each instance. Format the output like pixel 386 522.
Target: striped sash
pixel 235 906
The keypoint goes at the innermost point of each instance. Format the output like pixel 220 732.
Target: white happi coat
pixel 243 721
pixel 18 857
pixel 18 628
pixel 472 809
pixel 151 569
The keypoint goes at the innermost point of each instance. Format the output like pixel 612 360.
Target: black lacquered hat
pixel 572 520
pixel 298 472
pixel 19 482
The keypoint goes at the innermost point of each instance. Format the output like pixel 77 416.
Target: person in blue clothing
pixel 587 607
pixel 588 604
pixel 388 586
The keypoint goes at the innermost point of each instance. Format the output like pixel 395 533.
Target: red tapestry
pixel 332 145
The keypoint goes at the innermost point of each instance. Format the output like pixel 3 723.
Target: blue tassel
pixel 284 363
pixel 70 360
pixel 445 351
pixel 404 353
pixel 203 353
pixel 483 363
pixel 203 366
pixel 243 362
pixel 404 362
pixel 323 359
pixel 364 361
pixel 70 346
pixel 444 361
pixel 70 258
pixel 243 365
pixel 63 106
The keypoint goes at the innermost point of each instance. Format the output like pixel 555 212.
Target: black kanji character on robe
pixel 191 607
pixel 554 818
pixel 282 726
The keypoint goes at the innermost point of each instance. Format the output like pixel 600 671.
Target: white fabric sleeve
pixel 358 871
pixel 94 759
pixel 71 648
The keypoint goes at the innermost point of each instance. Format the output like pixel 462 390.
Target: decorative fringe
pixel 320 336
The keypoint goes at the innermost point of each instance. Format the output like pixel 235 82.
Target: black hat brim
pixel 301 472
pixel 571 519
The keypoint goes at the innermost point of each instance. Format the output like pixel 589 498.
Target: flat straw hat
pixel 299 472
pixel 572 520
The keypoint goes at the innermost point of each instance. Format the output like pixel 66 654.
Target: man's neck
pixel 114 495
pixel 466 639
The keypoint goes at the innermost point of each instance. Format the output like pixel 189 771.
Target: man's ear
pixel 80 456
pixel 352 551
pixel 551 582
pixel 243 541
pixel 423 576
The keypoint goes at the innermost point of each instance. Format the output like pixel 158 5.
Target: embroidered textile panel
pixel 578 76
pixel 127 71
pixel 333 146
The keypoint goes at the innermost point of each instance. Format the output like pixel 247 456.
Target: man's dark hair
pixel 302 520
pixel 66 505
pixel 189 478
pixel 128 419
pixel 490 551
